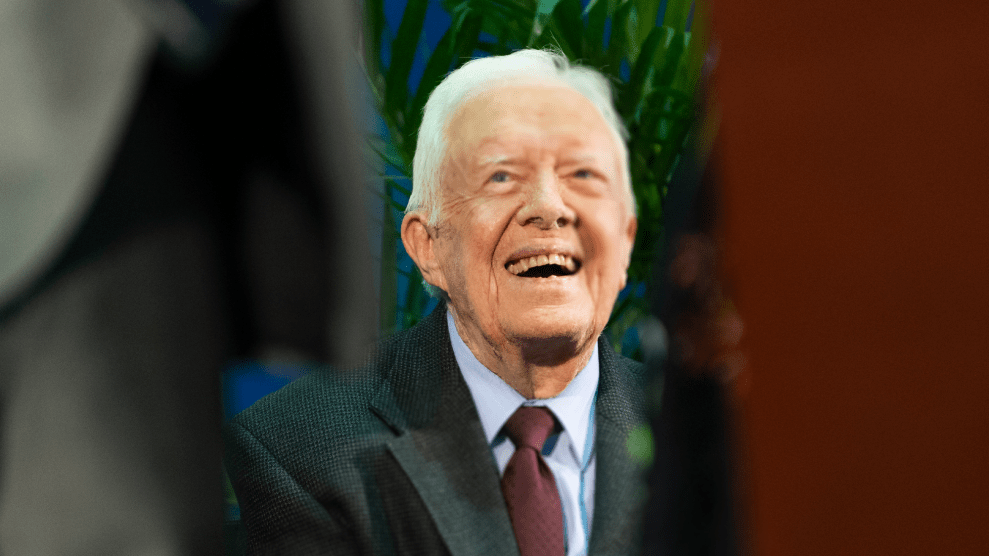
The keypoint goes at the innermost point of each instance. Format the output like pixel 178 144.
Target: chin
pixel 554 323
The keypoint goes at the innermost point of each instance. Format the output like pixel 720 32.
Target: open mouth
pixel 543 266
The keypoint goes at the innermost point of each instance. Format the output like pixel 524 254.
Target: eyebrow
pixel 582 159
pixel 491 160
pixel 497 159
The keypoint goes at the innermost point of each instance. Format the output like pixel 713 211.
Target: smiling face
pixel 536 227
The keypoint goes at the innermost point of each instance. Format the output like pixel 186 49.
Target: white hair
pixel 468 80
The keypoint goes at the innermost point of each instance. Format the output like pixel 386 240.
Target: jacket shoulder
pixel 328 404
pixel 631 366
pixel 326 399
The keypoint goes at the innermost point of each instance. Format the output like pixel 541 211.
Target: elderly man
pixel 499 424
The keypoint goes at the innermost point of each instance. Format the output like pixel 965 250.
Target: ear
pixel 419 240
pixel 628 242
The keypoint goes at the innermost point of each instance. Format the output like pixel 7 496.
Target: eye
pixel 583 174
pixel 499 177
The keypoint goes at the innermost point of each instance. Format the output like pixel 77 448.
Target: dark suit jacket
pixel 392 459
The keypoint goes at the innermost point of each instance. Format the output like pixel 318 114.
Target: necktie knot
pixel 530 427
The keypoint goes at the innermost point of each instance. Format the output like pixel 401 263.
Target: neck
pixel 537 368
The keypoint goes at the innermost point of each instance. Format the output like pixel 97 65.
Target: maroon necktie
pixel 528 485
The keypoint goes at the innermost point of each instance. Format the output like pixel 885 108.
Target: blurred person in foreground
pixel 499 424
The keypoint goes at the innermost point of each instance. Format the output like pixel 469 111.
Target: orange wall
pixel 857 202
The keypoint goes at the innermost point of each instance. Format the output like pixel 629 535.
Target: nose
pixel 545 207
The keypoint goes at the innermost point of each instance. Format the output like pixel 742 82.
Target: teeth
pixel 539 260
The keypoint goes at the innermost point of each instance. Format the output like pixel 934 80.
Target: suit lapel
pixel 441 445
pixel 619 489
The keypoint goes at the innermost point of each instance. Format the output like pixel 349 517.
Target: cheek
pixel 479 237
pixel 603 238
pixel 487 226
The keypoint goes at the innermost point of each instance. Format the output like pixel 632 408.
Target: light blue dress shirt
pixel 569 455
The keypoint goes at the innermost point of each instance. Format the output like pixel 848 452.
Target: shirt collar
pixel 496 401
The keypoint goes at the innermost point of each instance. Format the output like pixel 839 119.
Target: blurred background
pixel 182 210
pixel 200 201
